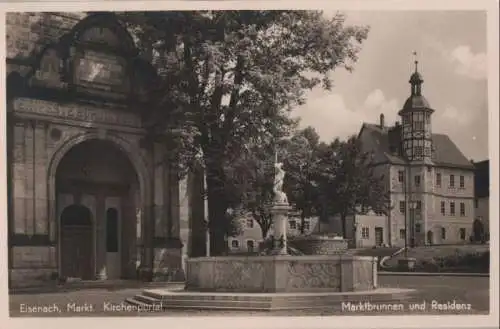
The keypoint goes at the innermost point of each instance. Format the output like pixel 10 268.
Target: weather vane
pixel 416 60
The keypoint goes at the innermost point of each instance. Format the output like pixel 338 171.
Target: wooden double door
pixel 93 232
pixel 77 249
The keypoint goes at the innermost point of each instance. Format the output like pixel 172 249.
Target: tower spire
pixel 415 61
pixel 416 78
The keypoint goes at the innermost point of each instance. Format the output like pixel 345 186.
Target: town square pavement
pixel 441 289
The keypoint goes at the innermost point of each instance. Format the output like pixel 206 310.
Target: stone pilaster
pixel 113 260
pixel 160 220
pixel 137 254
pixel 19 179
pixel 147 218
pixel 29 145
pixel 40 179
pixel 97 206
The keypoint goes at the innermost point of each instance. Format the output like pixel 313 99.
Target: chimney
pixel 382 121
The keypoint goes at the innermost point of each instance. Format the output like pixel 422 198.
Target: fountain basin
pixel 282 273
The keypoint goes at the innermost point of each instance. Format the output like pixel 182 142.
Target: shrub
pixel 473 262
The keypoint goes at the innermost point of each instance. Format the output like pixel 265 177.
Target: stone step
pixel 136 302
pixel 268 302
pixel 147 299
pixel 278 297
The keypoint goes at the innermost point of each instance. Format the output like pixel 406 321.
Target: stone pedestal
pixel 279 212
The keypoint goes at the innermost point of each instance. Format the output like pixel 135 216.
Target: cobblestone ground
pixel 469 290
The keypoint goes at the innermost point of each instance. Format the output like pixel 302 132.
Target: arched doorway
pixel 430 238
pixel 76 242
pixel 98 176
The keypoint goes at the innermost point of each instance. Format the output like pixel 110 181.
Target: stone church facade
pixel 89 195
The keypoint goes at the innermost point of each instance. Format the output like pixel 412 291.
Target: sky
pixel 451 50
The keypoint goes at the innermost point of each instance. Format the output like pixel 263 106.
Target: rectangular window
pixel 462 209
pixel 419 151
pixel 452 180
pixel 365 233
pixel 112 235
pixel 293 225
pixel 438 179
pixel 418 207
pixel 443 208
pixel 307 226
pixel 452 208
pixel 462 182
pixel 443 233
pixel 476 203
pixel 462 234
pixel 417 180
pixel 250 245
pixel 402 234
pixel 417 228
pixel 402 206
pixel 401 176
pixel 250 222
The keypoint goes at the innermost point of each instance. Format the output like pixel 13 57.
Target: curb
pixel 79 286
pixel 387 273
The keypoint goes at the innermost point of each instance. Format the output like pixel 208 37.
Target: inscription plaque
pixel 76 112
pixel 100 71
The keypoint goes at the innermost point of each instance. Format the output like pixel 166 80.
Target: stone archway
pixel 116 182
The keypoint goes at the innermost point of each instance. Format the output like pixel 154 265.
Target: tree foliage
pixel 227 77
pixel 301 166
pixel 350 183
pixel 250 184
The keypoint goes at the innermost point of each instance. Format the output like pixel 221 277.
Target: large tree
pixel 353 185
pixel 301 166
pixel 249 183
pixel 228 76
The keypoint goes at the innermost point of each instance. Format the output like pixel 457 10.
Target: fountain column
pixel 279 212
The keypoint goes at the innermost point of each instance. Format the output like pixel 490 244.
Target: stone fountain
pixel 276 280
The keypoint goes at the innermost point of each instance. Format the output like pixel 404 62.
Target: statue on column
pixel 279 176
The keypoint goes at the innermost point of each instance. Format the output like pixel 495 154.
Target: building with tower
pixel 431 182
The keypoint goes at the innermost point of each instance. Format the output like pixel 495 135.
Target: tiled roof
pixel 482 179
pixel 416 101
pixel 445 152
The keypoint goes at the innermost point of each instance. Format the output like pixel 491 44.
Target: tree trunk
pixel 217 208
pixel 302 221
pixel 265 230
pixel 343 219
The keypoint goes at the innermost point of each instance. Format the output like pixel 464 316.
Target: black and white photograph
pixel 250 162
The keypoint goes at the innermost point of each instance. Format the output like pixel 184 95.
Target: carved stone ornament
pixel 49 71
